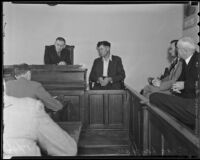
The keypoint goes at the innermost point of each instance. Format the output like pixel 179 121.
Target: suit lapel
pixel 101 67
pixel 191 62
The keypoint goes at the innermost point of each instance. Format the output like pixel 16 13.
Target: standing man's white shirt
pixel 105 65
pixel 26 123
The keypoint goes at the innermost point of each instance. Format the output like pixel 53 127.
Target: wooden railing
pixel 154 132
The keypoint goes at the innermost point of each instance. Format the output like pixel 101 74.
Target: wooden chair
pixel 71 51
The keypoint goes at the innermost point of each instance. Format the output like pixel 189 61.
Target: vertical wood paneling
pixel 96 109
pixel 115 109
pixel 107 110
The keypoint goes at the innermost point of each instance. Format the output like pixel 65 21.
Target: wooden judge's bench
pixel 114 122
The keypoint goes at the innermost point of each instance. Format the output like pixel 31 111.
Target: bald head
pixel 186 47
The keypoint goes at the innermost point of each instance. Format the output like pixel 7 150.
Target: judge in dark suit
pixel 24 87
pixel 57 54
pixel 107 70
pixel 181 104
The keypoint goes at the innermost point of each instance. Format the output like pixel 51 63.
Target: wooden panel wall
pixel 156 133
pixel 76 111
pixel 97 109
pixel 106 109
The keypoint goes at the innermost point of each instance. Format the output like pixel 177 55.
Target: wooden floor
pixel 104 143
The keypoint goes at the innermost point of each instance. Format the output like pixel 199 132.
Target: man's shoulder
pixel 99 59
pixel 11 82
pixel 49 46
pixel 34 83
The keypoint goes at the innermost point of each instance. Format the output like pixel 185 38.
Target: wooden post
pixel 197 104
pixel 197 109
pixel 145 151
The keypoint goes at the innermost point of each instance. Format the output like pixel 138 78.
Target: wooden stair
pixel 104 143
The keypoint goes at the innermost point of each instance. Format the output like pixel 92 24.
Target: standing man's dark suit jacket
pixel 115 70
pixel 51 56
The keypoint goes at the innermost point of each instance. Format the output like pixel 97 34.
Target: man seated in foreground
pixel 24 87
pixel 171 75
pixel 28 128
pixel 181 104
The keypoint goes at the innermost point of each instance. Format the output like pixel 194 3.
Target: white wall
pixel 139 34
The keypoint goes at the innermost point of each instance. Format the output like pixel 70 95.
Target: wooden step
pixel 104 143
pixel 105 151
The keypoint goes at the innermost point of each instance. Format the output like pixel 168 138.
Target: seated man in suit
pixel 181 104
pixel 107 70
pixel 57 54
pixel 28 128
pixel 24 87
pixel 171 75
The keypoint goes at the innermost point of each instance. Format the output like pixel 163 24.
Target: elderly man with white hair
pixel 181 103
pixel 28 128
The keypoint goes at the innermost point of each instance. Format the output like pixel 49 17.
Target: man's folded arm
pixel 47 99
pixel 167 84
pixel 120 72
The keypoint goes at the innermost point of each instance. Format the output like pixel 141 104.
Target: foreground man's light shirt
pixel 105 65
pixel 27 125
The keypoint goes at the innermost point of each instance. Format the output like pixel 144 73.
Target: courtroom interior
pixel 86 80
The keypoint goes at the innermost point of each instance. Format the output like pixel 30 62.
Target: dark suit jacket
pixel 51 57
pixel 24 88
pixel 189 76
pixel 115 70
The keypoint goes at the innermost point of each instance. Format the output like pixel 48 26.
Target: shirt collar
pixel 188 59
pixel 110 57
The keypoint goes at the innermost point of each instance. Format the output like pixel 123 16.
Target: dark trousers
pixel 181 108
